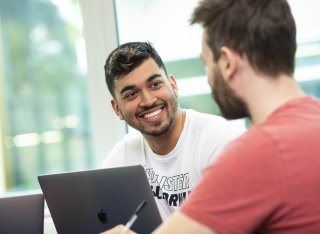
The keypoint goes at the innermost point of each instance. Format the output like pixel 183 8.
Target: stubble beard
pixel 170 108
pixel 171 117
pixel 231 106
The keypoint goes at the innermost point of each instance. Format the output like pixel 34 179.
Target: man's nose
pixel 147 98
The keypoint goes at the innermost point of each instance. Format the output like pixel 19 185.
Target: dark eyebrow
pixel 126 88
pixel 129 87
pixel 154 76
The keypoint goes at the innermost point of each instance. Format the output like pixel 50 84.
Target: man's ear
pixel 227 62
pixel 173 84
pixel 116 109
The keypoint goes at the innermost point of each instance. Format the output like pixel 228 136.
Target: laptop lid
pixel 93 201
pixel 21 213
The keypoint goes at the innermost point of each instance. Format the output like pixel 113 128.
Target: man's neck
pixel 269 95
pixel 164 144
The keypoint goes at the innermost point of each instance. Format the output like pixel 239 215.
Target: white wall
pixel 101 38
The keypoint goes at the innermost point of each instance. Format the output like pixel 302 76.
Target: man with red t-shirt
pixel 268 180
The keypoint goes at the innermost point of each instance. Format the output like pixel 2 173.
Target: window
pixel 45 121
pixel 178 43
pixel 308 53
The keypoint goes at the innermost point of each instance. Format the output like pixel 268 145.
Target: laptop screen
pixel 22 213
pixel 93 201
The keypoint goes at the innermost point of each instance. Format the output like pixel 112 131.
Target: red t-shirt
pixel 268 180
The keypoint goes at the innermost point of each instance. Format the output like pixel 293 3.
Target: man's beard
pixel 231 106
pixel 170 107
pixel 171 115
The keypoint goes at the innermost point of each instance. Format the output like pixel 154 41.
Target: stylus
pixel 133 217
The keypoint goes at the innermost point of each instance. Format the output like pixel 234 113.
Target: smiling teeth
pixel 153 114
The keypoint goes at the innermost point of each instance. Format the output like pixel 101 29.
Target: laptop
pixel 93 201
pixel 21 213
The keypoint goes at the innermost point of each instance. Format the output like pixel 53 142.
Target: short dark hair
pixel 263 31
pixel 126 58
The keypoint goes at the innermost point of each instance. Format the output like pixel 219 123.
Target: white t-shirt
pixel 173 176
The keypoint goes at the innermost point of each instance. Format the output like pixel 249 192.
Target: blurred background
pixel 55 112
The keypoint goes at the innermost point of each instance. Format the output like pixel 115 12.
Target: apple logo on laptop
pixel 103 217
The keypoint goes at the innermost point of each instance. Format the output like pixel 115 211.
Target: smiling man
pixel 172 144
pixel 267 180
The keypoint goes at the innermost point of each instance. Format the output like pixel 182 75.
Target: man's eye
pixel 156 84
pixel 130 95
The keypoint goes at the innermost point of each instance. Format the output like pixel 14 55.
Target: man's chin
pixel 156 132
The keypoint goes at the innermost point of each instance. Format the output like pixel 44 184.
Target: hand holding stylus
pixel 125 229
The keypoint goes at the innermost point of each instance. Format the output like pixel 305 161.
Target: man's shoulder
pixel 131 139
pixel 213 128
pixel 209 122
pixel 200 116
pixel 126 152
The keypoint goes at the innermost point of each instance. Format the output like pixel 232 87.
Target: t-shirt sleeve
pixel 115 156
pixel 127 152
pixel 235 195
